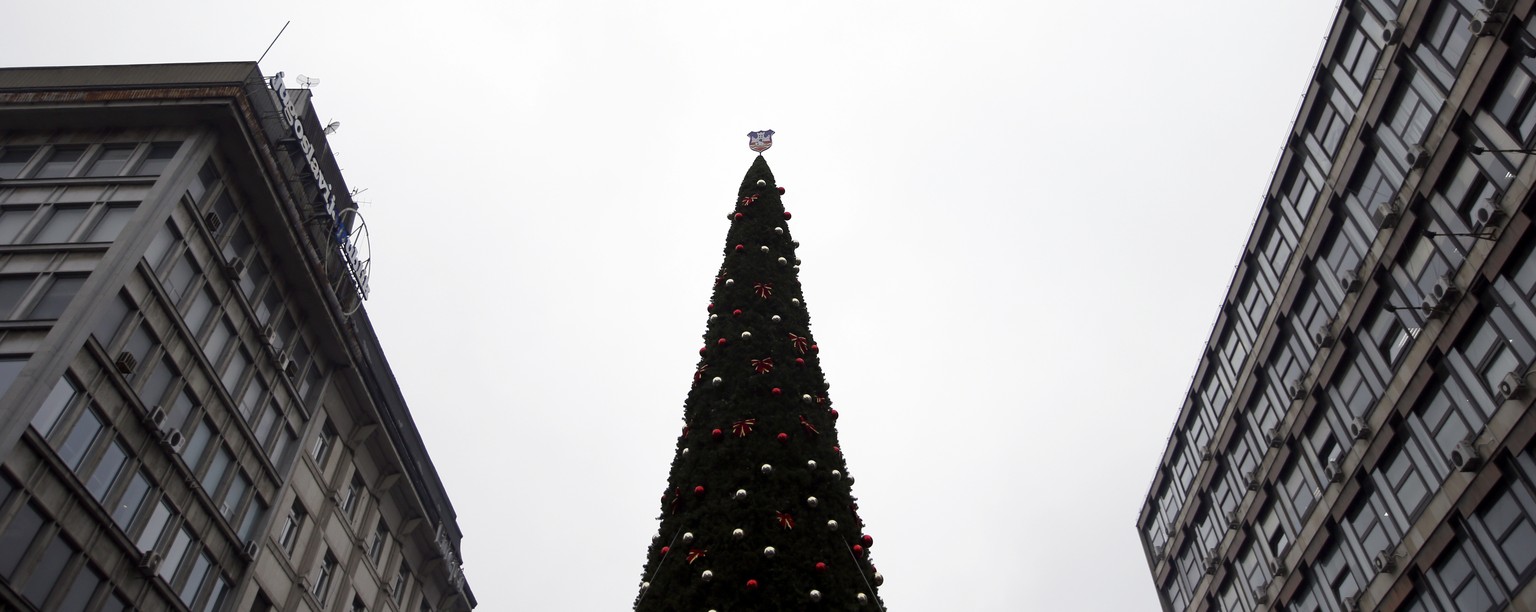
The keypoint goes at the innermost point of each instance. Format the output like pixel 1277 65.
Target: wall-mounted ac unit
pixel 1334 470
pixel 1207 452
pixel 213 222
pixel 289 367
pixel 1350 281
pixel 1486 23
pixel 1391 33
pixel 1323 335
pixel 155 418
pixel 1487 212
pixel 234 268
pixel 1385 561
pixel 251 549
pixel 1234 520
pixel 1359 429
pixel 149 562
pixel 1513 384
pixel 1351 603
pixel 1416 157
pixel 1388 213
pixel 126 363
pixel 172 438
pixel 1212 562
pixel 1465 457
pixel 1273 437
pixel 1252 480
pixel 1297 389
pixel 1434 307
pixel 1277 568
pixel 1261 593
pixel 1445 288
pixel 1158 552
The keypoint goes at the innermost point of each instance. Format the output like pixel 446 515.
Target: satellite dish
pixel 308 82
pixel 331 127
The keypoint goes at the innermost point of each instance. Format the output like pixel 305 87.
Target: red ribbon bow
pixel 695 553
pixel 748 200
pixel 808 426
pixel 785 520
pixel 743 427
pixel 764 290
pixel 763 366
pixel 698 375
pixel 801 343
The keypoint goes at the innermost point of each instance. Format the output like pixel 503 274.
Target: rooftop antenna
pixel 308 82
pixel 274 41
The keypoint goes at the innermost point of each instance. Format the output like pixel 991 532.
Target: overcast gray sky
pixel 1017 220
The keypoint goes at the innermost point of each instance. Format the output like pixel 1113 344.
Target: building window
pixel 357 604
pixel 60 162
pixel 380 536
pixel 59 399
pixel 291 527
pixel 354 491
pixel 56 297
pixel 13 160
pixel 402 579
pixel 158 158
pixel 111 160
pixel 323 582
pixel 323 444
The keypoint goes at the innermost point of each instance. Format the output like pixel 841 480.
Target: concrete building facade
pixel 1359 433
pixel 195 412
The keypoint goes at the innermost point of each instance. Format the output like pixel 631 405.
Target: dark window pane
pixel 17 537
pixel 13 159
pixel 81 590
pixel 9 368
pixel 60 162
pixel 73 449
pixel 57 400
pixel 159 157
pixel 111 224
pixel 12 219
pixel 57 297
pixel 133 497
pixel 46 573
pixel 12 288
pixel 106 471
pixel 111 160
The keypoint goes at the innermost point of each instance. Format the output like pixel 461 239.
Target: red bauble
pixel 799 361
pixel 741 247
pixel 783 437
pixel 738 216
pixel 815 348
pixel 736 313
pixel 786 215
pixel 777 391
pixel 781 191
pixel 702 349
pixel 717 434
pixel 721 342
pixel 868 541
pixel 665 550
pixel 821 567
pixel 699 490
pixel 710 307
pixel 858 551
pixel 751 585
pixel 833 412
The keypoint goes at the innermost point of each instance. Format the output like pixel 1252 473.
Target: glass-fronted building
pixel 1359 433
pixel 195 413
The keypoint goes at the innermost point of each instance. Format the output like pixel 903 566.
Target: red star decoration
pixel 763 290
pixel 785 520
pixel 800 342
pixel 743 427
pixel 763 366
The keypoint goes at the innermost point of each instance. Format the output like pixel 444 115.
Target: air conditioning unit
pixel 1207 452
pixel 1253 481
pixel 1465 457
pixel 1324 334
pixel 1513 383
pixel 234 268
pixel 1445 288
pixel 149 562
pixel 251 549
pixel 1485 23
pixel 172 438
pixel 126 363
pixel 1158 552
pixel 1261 594
pixel 1359 429
pixel 1212 562
pixel 1388 213
pixel 1297 389
pixel 290 367
pixel 1334 470
pixel 1434 307
pixel 1391 33
pixel 1385 561
pixel 1234 520
pixel 1277 568
pixel 155 418
pixel 1273 437
pixel 1487 212
pixel 213 222
pixel 1350 281
pixel 1416 157
pixel 1351 603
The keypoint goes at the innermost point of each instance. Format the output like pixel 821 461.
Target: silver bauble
pixel 688 538
pixel 795 268
pixel 836 475
pixel 763 248
pixel 746 335
pixel 809 464
pixel 783 262
pixel 863 599
pixel 776 318
pixel 713 317
pixel 811 501
pixel 778 230
pixel 879 579
pixel 685 452
pixel 730 281
pixel 815 595
pixel 831 525
pixel 807 398
pixel 740 494
pixel 762 183
pixel 645 585
pixel 738 534
pixel 707 576
pixel 795 301
pixel 769 552
pixel 767 469
pixel 717 380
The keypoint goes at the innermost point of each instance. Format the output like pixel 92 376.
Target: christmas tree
pixel 758 514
